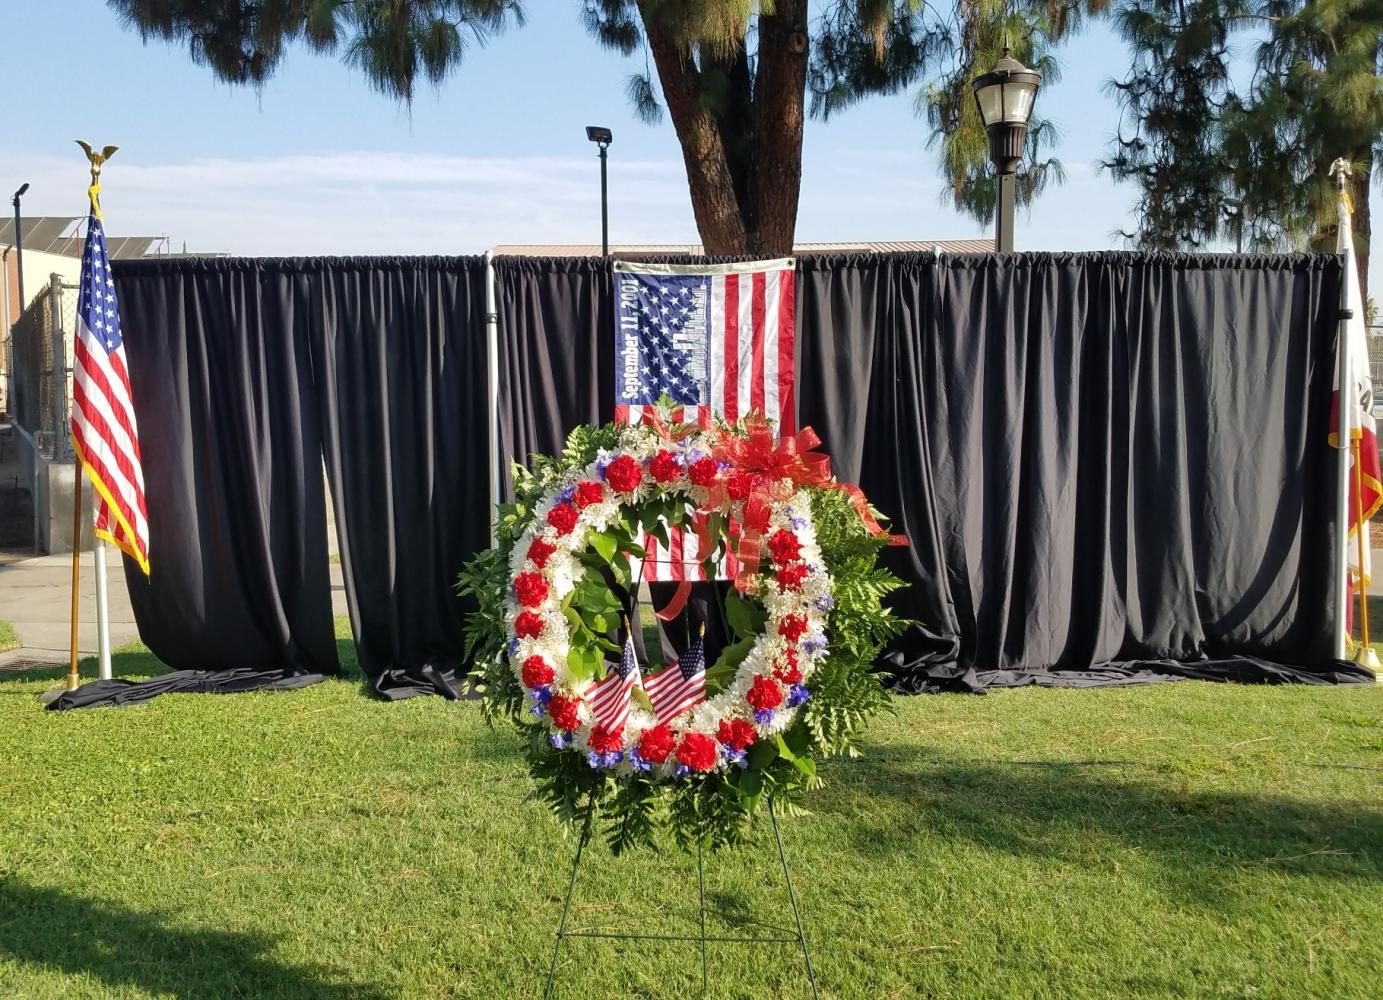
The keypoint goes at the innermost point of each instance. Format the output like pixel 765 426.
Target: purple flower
pixel 602 461
pixel 559 741
pixel 542 694
pixel 566 495
pixel 638 762
pixel 763 716
pixel 681 771
pixel 600 761
pixel 815 643
pixel 733 756
pixel 514 646
pixel 693 455
pixel 798 522
pixel 798 694
pixel 824 603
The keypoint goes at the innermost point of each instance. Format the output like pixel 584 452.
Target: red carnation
pixel 588 493
pixel 703 471
pixel 765 693
pixel 738 734
pixel 740 485
pixel 562 517
pixel 664 466
pixel 656 744
pixel 536 672
pixel 528 625
pixel 603 739
pixel 539 551
pixel 697 751
pixel 792 627
pixel 784 546
pixel 624 474
pixel 790 577
pixel 565 712
pixel 788 671
pixel 530 589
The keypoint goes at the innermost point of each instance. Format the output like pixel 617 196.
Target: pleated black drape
pixel 556 352
pixel 1112 466
pixel 399 352
pixel 220 362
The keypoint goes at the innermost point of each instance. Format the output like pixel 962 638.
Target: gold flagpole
pixel 1364 655
pixel 74 679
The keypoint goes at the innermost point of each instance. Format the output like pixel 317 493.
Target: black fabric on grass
pixel 117 692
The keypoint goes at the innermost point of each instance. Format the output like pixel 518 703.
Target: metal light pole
pixel 19 244
pixel 1005 97
pixel 602 137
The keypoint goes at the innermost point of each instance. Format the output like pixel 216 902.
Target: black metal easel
pixel 799 937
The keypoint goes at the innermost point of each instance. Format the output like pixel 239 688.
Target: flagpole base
pixel 1368 659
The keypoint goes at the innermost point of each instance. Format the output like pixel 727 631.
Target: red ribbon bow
pixel 780 466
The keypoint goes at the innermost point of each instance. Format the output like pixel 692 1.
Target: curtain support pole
pixel 492 387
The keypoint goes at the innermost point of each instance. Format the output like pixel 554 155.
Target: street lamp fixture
pixel 1005 97
pixel 602 137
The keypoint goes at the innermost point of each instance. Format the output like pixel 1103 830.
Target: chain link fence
pixel 42 366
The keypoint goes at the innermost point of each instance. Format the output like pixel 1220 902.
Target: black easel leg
pixel 701 885
pixel 792 897
pixel 571 889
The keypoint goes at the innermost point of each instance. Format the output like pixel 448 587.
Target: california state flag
pixel 1365 481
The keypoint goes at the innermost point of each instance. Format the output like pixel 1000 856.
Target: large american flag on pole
pixel 104 433
pixel 719 339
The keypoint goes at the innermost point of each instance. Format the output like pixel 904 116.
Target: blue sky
pixel 316 162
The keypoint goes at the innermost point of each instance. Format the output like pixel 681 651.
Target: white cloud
pixel 366 202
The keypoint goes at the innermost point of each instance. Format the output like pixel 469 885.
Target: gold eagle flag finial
pixel 97 161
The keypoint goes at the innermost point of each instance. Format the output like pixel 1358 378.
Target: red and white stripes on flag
pixel 104 432
pixel 609 699
pixel 719 340
pixel 681 685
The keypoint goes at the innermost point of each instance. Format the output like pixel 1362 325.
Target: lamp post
pixel 602 137
pixel 1005 95
pixel 19 244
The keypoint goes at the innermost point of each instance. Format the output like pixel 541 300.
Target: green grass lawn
pixel 1175 840
pixel 9 638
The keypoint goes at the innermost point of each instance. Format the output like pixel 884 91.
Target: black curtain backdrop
pixel 1112 467
pixel 399 355
pixel 220 361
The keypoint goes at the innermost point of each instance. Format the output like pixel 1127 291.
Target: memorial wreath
pixel 709 742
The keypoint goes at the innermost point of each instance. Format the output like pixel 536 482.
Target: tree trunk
pixel 719 217
pixel 779 94
pixel 740 131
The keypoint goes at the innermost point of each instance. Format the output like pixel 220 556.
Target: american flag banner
pixel 104 433
pixel 609 699
pixel 681 686
pixel 719 339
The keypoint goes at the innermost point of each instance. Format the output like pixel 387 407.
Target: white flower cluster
pixel 770 663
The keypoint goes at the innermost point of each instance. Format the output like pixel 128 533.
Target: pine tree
pixel 1249 163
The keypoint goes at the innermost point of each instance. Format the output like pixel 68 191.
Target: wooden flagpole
pixel 1364 655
